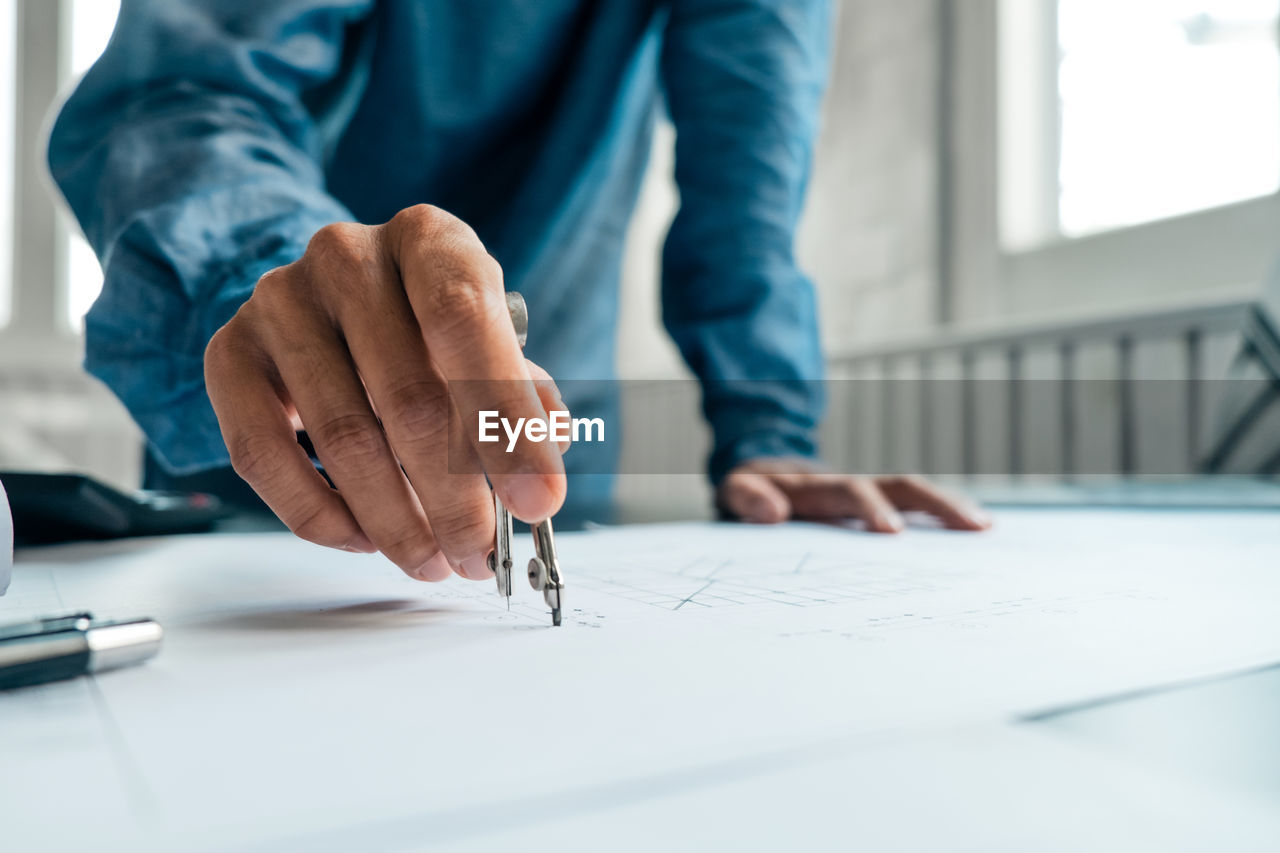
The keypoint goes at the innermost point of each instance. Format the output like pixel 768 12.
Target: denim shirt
pixel 214 137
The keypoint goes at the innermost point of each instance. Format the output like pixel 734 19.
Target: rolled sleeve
pixel 744 81
pixel 193 166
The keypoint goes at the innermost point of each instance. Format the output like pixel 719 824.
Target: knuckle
pixel 419 408
pixel 343 257
pixel 274 295
pixel 255 457
pixel 235 344
pixel 476 264
pixel 320 524
pixel 283 315
pixel 420 219
pixel 220 347
pixel 280 278
pixel 465 527
pixel 409 547
pixel 352 441
pixel 338 238
pixel 425 225
pixel 466 261
pixel 457 299
pixel 441 241
pixel 424 233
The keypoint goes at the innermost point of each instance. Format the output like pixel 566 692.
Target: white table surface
pixel 714 686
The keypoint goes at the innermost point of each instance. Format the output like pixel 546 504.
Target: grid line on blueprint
pixel 742 583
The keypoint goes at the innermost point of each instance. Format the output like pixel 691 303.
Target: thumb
pixel 753 497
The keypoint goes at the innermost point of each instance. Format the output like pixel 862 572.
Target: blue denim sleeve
pixel 744 81
pixel 192 163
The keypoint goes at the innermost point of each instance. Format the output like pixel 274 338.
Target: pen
pixel 62 647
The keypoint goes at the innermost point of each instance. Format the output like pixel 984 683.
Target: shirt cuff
pixel 762 440
pixel 163 387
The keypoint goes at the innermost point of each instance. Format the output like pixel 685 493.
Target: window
pixel 1110 154
pixel 1115 113
pixel 91 23
pixel 8 47
pixel 1167 107
pixel 48 275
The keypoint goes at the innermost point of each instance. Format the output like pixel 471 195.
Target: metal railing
pixel 1173 391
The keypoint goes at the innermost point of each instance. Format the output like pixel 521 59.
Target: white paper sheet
pixel 993 789
pixel 306 689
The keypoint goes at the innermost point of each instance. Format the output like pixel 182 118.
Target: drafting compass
pixel 544 568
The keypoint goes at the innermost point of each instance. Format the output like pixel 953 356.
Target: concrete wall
pixel 869 235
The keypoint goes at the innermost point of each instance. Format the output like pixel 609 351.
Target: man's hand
pixel 769 491
pixel 356 342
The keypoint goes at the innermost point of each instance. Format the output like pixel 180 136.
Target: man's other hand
pixel 769 491
pixel 357 343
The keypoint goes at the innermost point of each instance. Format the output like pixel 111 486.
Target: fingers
pixel 853 497
pixel 413 403
pixel 320 379
pixel 350 443
pixel 455 290
pixel 811 494
pixel 367 342
pixel 918 494
pixel 461 504
pixel 759 490
pixel 265 452
pixel 879 502
pixel 752 497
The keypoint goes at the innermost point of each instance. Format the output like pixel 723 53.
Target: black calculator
pixel 49 508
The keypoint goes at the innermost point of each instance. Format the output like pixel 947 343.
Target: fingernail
pixel 360 544
pixel 528 497
pixel 475 567
pixel 435 569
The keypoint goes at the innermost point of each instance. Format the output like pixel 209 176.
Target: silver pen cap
pixel 118 644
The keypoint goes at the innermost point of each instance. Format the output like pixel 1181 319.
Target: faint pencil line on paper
pixel 694 595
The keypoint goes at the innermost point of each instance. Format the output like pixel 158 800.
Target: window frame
pixel 1128 267
pixel 37 334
